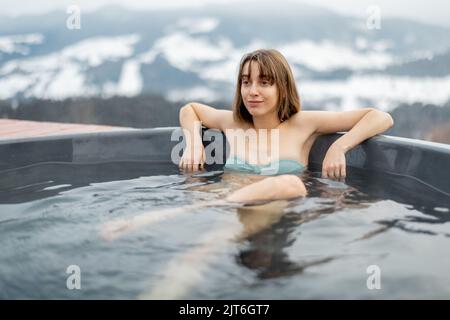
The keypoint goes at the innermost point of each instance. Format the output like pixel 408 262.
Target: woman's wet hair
pixel 273 67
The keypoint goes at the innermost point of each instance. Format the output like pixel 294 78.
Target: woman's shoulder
pixel 303 118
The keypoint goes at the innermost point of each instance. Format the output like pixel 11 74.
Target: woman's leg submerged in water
pixel 188 268
pixel 271 188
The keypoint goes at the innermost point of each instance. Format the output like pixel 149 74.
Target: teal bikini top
pixel 282 166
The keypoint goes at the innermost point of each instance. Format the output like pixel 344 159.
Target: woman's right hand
pixel 193 158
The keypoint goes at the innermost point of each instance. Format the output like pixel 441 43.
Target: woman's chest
pixel 264 146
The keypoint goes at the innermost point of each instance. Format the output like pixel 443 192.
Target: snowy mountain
pixel 193 54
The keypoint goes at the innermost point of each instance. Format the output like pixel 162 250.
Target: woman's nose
pixel 253 89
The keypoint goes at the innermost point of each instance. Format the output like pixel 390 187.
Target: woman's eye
pixel 265 83
pixel 244 82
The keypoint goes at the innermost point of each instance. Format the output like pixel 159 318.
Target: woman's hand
pixel 333 165
pixel 193 158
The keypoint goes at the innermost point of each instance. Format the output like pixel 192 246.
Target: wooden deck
pixel 15 129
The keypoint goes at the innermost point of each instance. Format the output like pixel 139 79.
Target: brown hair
pixel 274 66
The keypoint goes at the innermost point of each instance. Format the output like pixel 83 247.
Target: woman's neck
pixel 266 122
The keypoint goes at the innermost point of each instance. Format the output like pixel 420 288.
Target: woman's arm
pixel 210 117
pixel 360 125
pixel 192 116
pixel 372 123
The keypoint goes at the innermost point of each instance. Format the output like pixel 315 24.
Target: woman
pixel 266 100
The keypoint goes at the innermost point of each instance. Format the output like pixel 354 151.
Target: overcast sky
pixel 430 11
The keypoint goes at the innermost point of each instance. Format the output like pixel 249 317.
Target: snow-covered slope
pixel 194 55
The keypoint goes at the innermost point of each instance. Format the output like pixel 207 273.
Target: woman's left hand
pixel 333 165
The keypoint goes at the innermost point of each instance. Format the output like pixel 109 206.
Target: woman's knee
pixel 292 184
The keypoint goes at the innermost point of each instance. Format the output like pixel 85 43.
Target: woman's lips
pixel 254 103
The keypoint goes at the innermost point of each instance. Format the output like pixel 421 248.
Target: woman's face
pixel 260 97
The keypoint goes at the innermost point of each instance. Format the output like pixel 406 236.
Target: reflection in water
pixel 266 248
pixel 265 231
pixel 268 229
pixel 48 220
pixel 434 203
pixel 36 181
pixel 265 252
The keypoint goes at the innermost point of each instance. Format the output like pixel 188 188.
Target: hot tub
pixel 381 234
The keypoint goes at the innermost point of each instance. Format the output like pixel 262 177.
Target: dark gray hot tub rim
pixel 422 160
